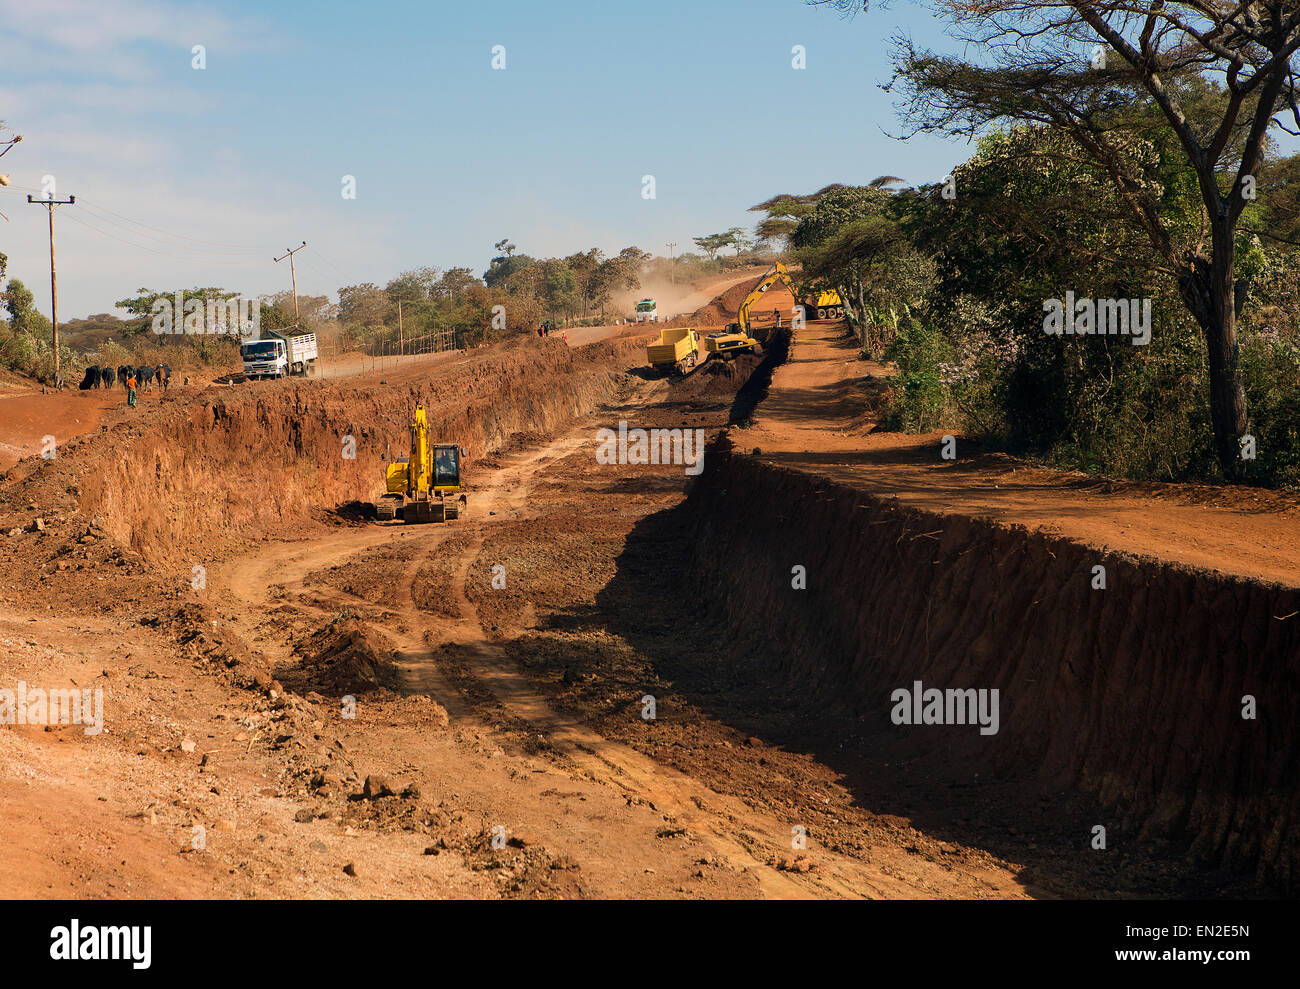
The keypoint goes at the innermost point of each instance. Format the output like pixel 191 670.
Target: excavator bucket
pixel 423 511
pixel 388 507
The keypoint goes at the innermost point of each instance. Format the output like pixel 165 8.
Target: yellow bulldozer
pixel 424 486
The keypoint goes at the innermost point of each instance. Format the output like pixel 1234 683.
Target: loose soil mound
pixel 724 308
pixel 716 378
pixel 345 656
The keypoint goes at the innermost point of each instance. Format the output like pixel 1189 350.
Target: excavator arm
pixel 778 272
pixel 424 485
pixel 420 479
pixel 737 337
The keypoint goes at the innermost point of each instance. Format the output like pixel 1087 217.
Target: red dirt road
pixel 26 419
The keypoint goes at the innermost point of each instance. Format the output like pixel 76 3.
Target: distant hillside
pixel 89 334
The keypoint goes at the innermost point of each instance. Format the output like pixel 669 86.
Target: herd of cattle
pixel 105 377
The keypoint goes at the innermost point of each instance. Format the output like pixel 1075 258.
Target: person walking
pixel 130 391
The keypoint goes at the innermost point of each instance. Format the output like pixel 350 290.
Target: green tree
pixel 412 286
pixel 1217 77
pixel 506 266
pixel 20 306
pixel 851 241
pixel 737 239
pixel 711 244
pixel 455 282
pixel 141 305
pixel 365 305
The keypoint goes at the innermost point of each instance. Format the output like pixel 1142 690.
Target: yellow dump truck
pixel 826 305
pixel 677 348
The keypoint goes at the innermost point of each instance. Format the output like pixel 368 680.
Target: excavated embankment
pixel 264 459
pixel 1132 694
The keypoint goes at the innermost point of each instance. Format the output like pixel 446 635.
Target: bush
pixel 18 353
pixel 112 354
pixel 1270 365
pixel 920 401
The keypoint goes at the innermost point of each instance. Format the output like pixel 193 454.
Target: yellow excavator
pixel 424 486
pixel 737 338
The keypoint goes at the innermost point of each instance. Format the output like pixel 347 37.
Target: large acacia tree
pixel 1217 74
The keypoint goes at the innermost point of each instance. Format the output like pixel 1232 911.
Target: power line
pixel 333 267
pixel 143 247
pixel 324 275
pixel 117 220
pixel 105 216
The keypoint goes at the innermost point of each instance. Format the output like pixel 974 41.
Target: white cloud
pixel 87 26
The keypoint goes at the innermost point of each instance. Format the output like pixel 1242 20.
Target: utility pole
pixel 672 267
pixel 49 205
pixel 293 274
pixel 401 345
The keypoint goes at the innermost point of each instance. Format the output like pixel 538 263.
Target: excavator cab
pixel 733 340
pixel 446 467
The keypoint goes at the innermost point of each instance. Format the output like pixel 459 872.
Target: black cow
pixel 91 380
pixel 123 373
pixel 107 376
pixel 143 376
pixel 164 374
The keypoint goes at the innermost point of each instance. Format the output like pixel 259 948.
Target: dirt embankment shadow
pixel 1119 710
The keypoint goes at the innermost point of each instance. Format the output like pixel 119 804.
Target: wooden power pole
pixel 293 275
pixel 672 268
pixel 49 205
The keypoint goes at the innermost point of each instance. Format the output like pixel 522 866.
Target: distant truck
pixel 677 348
pixel 647 311
pixel 277 355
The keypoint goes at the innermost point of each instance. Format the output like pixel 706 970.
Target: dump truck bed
pixel 674 345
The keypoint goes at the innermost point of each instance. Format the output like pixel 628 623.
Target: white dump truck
pixel 647 311
pixel 277 354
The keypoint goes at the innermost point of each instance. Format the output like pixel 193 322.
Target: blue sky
pixel 188 177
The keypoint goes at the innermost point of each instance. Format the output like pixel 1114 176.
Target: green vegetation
pixel 1141 169
pixel 516 295
pixel 953 292
pixel 424 307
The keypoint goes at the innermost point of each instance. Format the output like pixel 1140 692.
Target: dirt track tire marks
pixel 459 663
